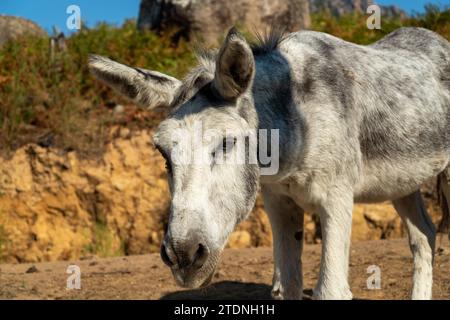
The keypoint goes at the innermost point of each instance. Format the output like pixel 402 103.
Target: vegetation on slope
pixel 55 102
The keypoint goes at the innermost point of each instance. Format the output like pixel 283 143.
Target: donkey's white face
pixel 211 189
pixel 206 144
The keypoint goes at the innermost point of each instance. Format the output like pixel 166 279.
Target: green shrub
pixel 58 102
pixel 59 98
pixel 352 27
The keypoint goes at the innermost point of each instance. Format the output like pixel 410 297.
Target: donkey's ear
pixel 149 89
pixel 235 66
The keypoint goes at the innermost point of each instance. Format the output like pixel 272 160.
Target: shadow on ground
pixel 227 290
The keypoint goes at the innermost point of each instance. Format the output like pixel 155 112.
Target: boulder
pixel 208 20
pixel 341 7
pixel 13 27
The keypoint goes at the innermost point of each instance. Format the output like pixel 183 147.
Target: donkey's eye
pixel 228 144
pixel 225 147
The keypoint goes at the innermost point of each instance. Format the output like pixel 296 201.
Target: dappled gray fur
pixel 356 123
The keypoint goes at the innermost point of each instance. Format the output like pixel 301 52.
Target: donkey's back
pixel 393 100
pixel 419 41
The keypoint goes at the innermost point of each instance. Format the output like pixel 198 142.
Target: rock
pixel 55 206
pixel 14 27
pixel 32 269
pixel 119 109
pixel 211 19
pixel 239 240
pixel 377 221
pixel 392 12
pixel 441 251
pixel 341 7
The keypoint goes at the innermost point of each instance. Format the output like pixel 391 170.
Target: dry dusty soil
pixel 243 274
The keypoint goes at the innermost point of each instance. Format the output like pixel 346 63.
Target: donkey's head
pixel 206 143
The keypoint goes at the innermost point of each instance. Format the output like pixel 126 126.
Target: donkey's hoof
pixel 278 294
pixel 325 294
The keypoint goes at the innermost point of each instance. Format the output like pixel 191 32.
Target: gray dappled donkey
pixel 356 124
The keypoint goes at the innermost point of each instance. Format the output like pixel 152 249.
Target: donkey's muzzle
pixel 189 254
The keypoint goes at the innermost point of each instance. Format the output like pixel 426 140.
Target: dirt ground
pixel 242 274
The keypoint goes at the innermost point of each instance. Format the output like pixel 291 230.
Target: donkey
pixel 356 124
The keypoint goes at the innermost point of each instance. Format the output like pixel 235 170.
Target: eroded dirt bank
pixel 243 274
pixel 56 206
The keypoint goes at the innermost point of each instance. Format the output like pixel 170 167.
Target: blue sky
pixel 49 13
pixel 411 6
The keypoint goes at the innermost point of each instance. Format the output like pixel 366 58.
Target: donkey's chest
pixel 305 189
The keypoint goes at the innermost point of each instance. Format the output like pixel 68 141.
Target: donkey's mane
pixel 268 42
pixel 204 72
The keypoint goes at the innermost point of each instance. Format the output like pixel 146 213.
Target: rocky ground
pixel 243 274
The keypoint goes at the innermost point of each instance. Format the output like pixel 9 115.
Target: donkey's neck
pixel 273 106
pixel 272 91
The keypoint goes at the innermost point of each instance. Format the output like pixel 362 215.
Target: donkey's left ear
pixel 149 89
pixel 235 66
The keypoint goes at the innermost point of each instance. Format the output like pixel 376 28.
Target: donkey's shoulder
pixel 316 40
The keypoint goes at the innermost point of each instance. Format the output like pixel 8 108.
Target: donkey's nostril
pixel 165 257
pixel 200 256
pixel 183 255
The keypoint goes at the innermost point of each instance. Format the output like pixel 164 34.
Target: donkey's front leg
pixel 286 219
pixel 336 223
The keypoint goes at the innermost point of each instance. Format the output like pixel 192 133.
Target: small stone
pixel 125 133
pixel 32 269
pixel 119 109
pixel 391 282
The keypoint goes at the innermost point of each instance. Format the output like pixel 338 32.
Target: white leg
pixel 286 219
pixel 336 223
pixel 422 233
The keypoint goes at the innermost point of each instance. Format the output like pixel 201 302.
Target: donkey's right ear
pixel 235 66
pixel 149 89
